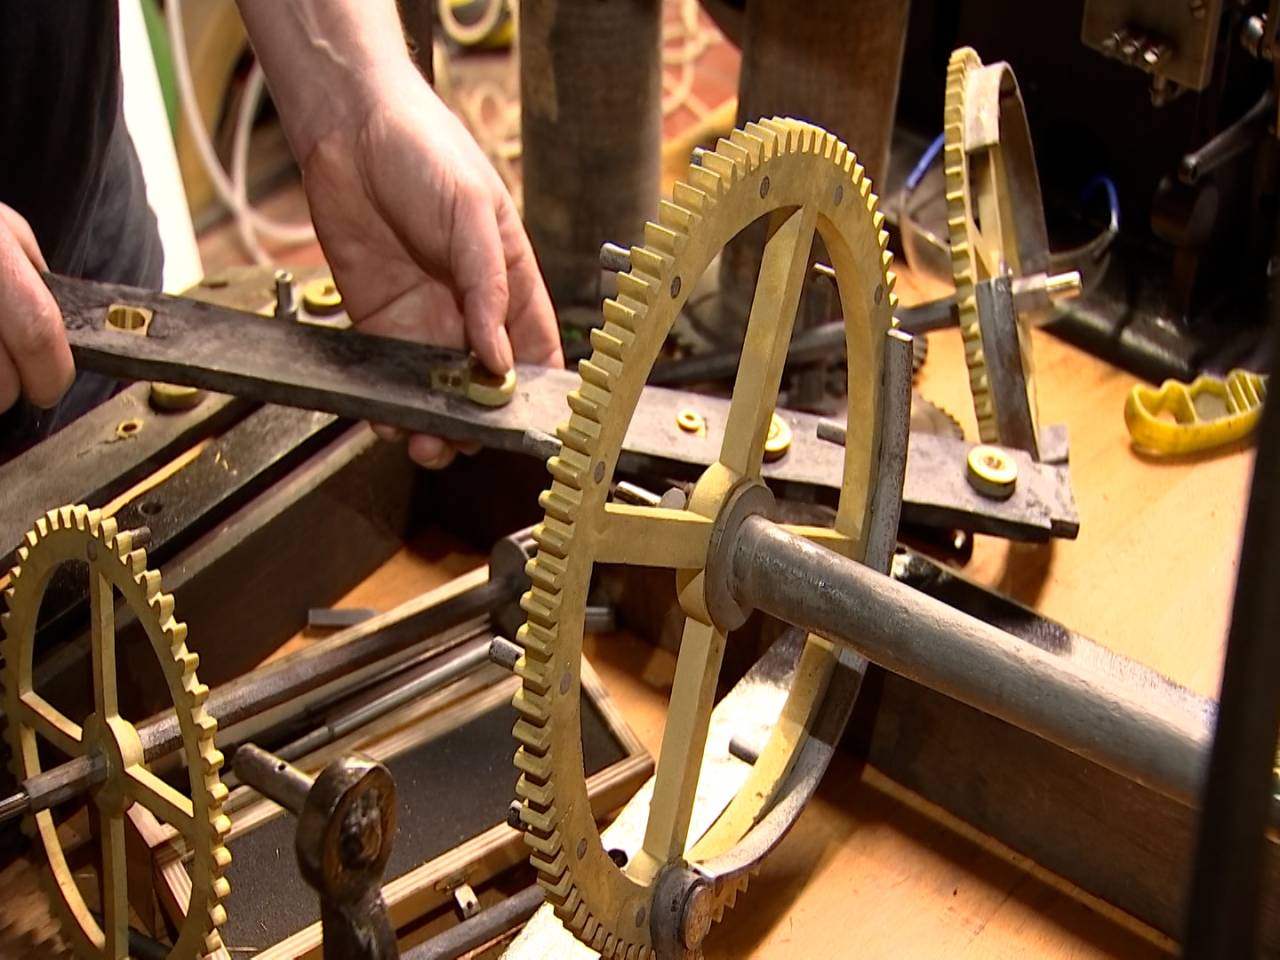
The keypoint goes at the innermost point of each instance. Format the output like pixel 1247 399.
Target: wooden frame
pixel 428 886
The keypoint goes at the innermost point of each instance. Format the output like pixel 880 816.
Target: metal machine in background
pixel 1153 123
pixel 1159 116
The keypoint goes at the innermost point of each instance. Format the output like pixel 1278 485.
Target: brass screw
pixel 171 397
pixel 321 297
pixel 992 472
pixel 778 442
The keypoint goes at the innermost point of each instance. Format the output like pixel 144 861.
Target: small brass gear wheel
pixel 78 534
pixel 995 227
pixel 807 182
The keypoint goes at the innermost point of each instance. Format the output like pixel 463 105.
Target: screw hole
pixel 764 188
pixel 151 507
pixel 675 287
pixel 582 848
pixel 619 857
pixel 839 195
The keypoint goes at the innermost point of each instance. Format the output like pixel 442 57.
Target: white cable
pixel 249 220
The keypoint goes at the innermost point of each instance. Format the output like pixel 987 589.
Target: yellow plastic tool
pixel 1189 417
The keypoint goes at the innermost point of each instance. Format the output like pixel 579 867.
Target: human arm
pixel 423 238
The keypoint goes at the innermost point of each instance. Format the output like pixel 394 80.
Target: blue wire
pixel 922 165
pixel 1113 198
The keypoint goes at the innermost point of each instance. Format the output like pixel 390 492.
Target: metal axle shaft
pixel 1144 731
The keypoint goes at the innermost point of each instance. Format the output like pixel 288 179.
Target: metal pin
pixel 504 653
pixel 832 432
pixel 744 751
pixel 627 492
pixel 140 536
pixel 696 157
pixel 466 900
pixel 286 304
pixel 513 815
pixel 615 258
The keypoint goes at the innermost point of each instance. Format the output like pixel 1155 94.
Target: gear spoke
pixel 103 644
pixel 683 741
pixel 52 724
pixel 166 803
pixel 652 537
pixel 115 886
pixel 827 537
pixel 764 351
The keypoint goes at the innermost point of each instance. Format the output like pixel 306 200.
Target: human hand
pixel 35 359
pixel 424 240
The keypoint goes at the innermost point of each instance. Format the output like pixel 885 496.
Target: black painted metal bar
pixel 1226 884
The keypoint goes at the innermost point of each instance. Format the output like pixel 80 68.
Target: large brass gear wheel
pixel 807 181
pixel 995 219
pixel 78 534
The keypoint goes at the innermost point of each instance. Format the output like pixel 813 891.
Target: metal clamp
pixel 346 821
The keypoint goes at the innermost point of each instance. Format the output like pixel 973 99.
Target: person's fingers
pixel 430 452
pixel 531 321
pixel 480 277
pixel 386 432
pixel 10 384
pixel 31 330
pixel 23 233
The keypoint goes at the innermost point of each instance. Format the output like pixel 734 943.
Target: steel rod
pixel 1230 868
pixel 487 925
pixel 282 681
pixel 469 658
pixel 272 777
pixel 342 654
pixel 1098 714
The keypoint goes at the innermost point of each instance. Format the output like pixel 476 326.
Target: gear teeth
pixel 674 217
pixel 534 707
pixel 645 295
pixel 767 137
pixel 963 255
pixel 750 144
pixel 72 533
pixel 560 503
pixel 691 197
pixel 534 793
pixel 611 341
pixel 725 170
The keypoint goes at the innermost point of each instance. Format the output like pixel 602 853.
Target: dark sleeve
pixel 68 166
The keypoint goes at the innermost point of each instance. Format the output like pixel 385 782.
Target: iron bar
pixel 336 658
pixel 383 380
pixel 1226 882
pixel 340 655
pixel 1103 716
pixel 272 777
pixel 487 925
pixel 457 664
